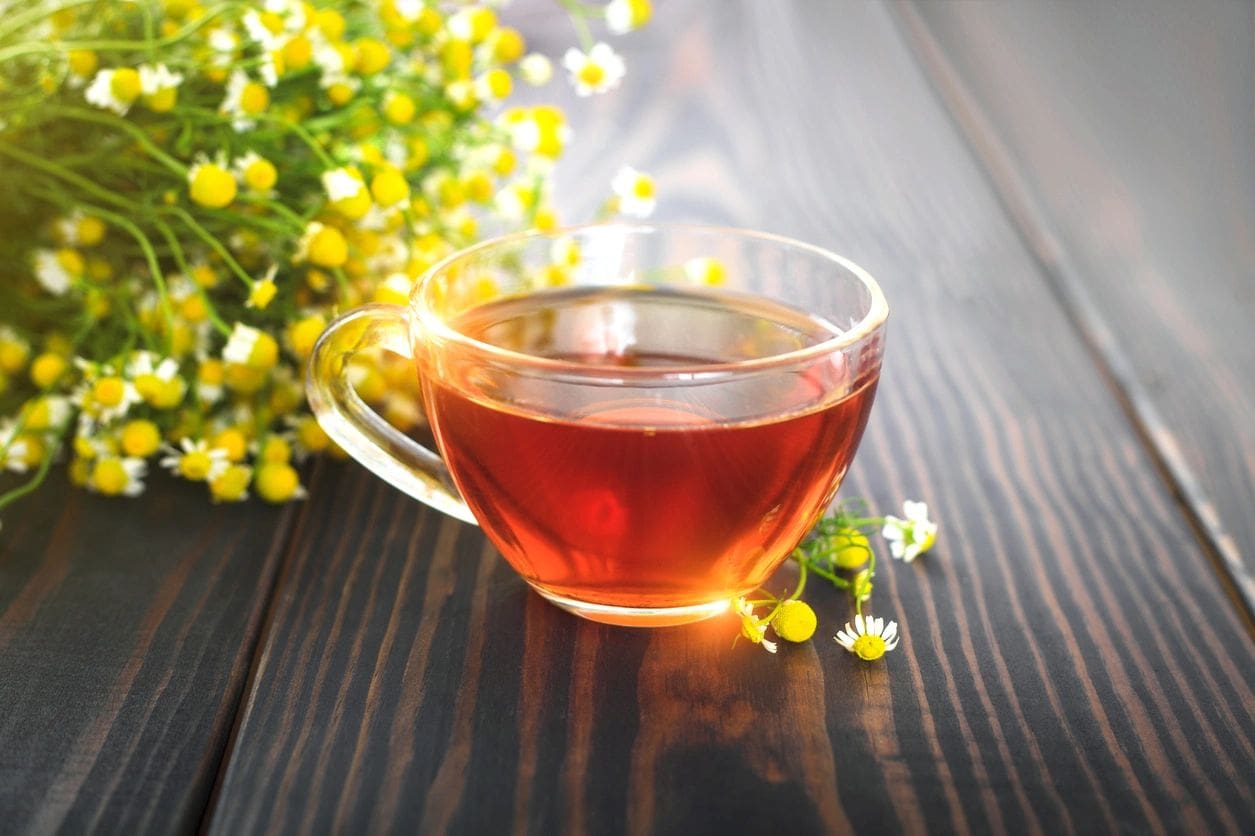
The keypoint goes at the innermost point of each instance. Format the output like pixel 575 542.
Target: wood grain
pixel 1071 663
pixel 1130 173
pixel 126 629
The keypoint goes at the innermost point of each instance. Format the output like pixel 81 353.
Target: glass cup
pixel 645 420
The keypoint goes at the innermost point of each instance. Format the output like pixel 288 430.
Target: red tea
pixel 645 496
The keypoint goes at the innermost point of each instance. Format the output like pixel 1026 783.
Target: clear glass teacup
pixel 645 420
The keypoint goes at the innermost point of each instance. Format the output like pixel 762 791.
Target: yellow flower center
pixel 643 187
pixel 254 98
pixel 38 415
pixel 260 175
pixel 340 93
pixel 232 485
pixel 499 83
pixel 297 53
pixel 233 442
pixel 71 262
pixel 47 369
pixel 13 355
pixel 869 648
pixel 328 248
pixel 277 482
pixel 140 438
pixel 303 334
pixel 388 187
pixel 91 231
pixel 311 435
pixel 109 476
pixel 167 394
pixel 795 621
pixel 330 23
pixel 261 294
pixel 125 85
pixel 591 74
pixel 852 549
pixel 195 465
pixel 212 185
pixel 508 45
pixel 109 391
pixel 210 372
pixel 82 62
pixel 372 56
pixel 193 308
pixel 399 109
pixel 162 101
pixel 204 275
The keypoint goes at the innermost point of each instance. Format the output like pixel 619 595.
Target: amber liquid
pixel 635 497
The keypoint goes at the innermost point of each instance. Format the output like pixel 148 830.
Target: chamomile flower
pixel 263 290
pixel 263 29
pixel 248 346
pixel 623 16
pixel 795 621
pixel 210 183
pixel 753 627
pixel 197 462
pixel 159 86
pixel 869 638
pixel 78 229
pixel 341 184
pixel 257 173
pixel 244 99
pixel 910 537
pixel 46 412
pixel 278 481
pixel 596 71
pixel 115 89
pixel 57 270
pixel 118 476
pixel 322 245
pixel 536 69
pixel 105 396
pixel 156 379
pixel 635 191
pixel 209 377
pixel 12 448
pixel 539 130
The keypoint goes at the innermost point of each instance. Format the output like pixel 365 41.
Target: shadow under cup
pixel 644 420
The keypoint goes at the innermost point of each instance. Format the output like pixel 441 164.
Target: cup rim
pixel 872 321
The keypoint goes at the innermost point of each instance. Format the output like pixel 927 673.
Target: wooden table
pixel 1059 200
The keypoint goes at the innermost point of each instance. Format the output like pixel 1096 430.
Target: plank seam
pixel 269 607
pixel 1025 215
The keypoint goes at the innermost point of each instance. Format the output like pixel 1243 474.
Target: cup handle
pixel 385 450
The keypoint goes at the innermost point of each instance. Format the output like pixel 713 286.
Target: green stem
pixel 68 176
pixel 577 13
pixel 176 251
pixel 839 582
pixel 113 45
pixel 103 118
pixel 20 491
pixel 26 18
pixel 298 222
pixel 150 256
pixel 302 134
pixel 342 281
pixel 801 582
pixel 214 244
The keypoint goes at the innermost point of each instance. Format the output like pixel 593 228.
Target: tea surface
pixel 635 497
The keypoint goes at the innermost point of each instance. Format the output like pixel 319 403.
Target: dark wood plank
pixel 1131 172
pixel 1071 664
pixel 126 630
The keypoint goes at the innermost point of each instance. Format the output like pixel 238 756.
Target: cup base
pixel 636 616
